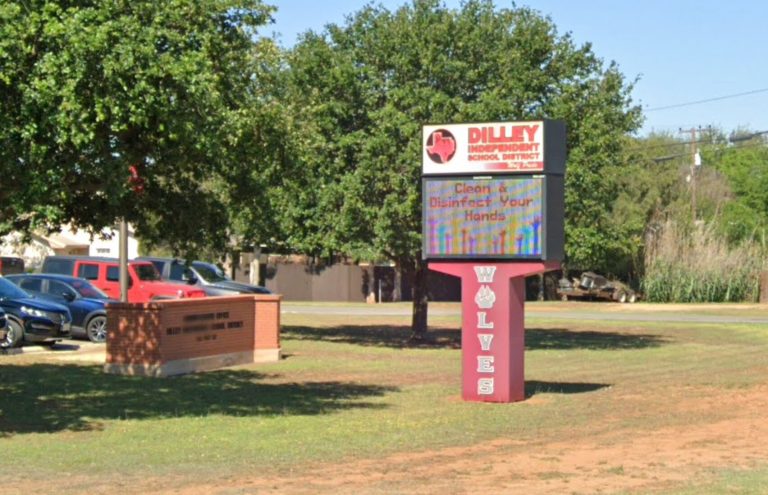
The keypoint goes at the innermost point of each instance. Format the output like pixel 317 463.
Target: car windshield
pixel 209 272
pixel 85 289
pixel 10 291
pixel 146 272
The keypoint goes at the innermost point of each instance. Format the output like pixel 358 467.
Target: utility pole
pixel 695 164
pixel 123 261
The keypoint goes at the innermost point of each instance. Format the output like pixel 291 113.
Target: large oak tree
pixel 92 89
pixel 362 91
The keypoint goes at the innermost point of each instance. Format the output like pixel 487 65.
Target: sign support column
pixel 493 327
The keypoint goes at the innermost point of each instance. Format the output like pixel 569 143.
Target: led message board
pixel 511 217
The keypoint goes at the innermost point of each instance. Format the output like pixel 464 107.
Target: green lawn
pixel 353 388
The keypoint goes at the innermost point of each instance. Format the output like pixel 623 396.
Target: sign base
pixel 493 326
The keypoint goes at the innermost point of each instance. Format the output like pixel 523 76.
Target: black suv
pixel 3 325
pixel 207 276
pixel 30 319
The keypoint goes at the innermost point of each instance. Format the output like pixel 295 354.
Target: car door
pixel 62 293
pixel 32 285
pixel 162 267
pixel 113 283
pixel 179 273
pixel 89 271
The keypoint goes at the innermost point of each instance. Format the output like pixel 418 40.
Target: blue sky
pixel 682 51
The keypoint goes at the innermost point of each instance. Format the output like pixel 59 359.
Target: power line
pixel 745 137
pixel 666 158
pixel 731 139
pixel 670 145
pixel 717 98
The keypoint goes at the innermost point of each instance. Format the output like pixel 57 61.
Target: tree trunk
pixel 397 284
pixel 420 300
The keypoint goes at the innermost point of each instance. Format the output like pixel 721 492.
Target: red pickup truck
pixel 144 282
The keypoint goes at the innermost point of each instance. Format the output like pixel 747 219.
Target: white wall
pixel 110 246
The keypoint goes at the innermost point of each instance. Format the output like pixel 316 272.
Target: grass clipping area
pixel 354 408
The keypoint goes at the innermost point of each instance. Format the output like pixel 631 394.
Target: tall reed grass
pixel 697 265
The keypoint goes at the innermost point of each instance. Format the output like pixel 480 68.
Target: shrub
pixel 696 265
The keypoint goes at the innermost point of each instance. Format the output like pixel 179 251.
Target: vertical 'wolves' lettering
pixel 485 386
pixel 485 341
pixel 481 323
pixel 485 274
pixel 485 364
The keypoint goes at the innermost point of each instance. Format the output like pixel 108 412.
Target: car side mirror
pixel 68 296
pixel 191 279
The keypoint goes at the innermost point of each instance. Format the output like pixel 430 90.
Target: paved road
pixel 624 315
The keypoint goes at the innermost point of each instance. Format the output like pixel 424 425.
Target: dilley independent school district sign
pixel 493 208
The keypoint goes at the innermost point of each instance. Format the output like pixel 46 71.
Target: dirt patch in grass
pixel 621 460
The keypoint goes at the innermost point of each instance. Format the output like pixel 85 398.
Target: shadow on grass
pixel 399 337
pixel 564 339
pixel 42 398
pixel 392 336
pixel 533 387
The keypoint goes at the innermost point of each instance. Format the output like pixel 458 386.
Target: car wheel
pixel 96 329
pixel 633 298
pixel 622 298
pixel 564 297
pixel 15 335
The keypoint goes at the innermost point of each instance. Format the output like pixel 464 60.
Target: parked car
pixel 86 302
pixel 592 286
pixel 30 319
pixel 207 276
pixel 10 264
pixel 144 282
pixel 3 325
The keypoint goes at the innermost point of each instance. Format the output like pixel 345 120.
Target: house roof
pixel 60 240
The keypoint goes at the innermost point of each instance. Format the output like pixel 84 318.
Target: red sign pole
pixel 493 326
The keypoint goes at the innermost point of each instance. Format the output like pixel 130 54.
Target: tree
pixel 90 90
pixel 745 217
pixel 650 187
pixel 362 91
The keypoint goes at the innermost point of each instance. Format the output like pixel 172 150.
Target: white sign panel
pixel 483 148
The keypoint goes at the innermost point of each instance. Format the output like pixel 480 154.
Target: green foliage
pixel 698 265
pixel 88 89
pixel 649 186
pixel 717 254
pixel 668 282
pixel 361 91
pixel 745 217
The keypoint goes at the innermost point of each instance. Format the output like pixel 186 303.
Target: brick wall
pixel 172 331
pixel 133 334
pixel 267 318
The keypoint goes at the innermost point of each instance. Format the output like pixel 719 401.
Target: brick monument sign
pixel 171 337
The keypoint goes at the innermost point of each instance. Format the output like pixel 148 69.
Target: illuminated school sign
pixel 493 148
pixel 492 214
